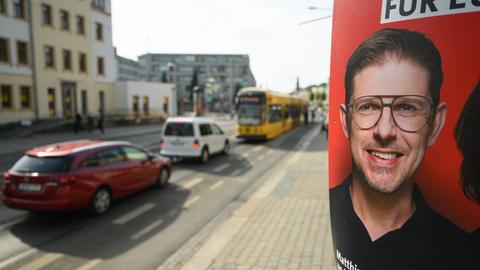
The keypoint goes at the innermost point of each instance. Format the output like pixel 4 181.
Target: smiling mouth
pixel 385 156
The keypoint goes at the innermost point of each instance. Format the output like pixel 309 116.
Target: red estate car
pixel 82 174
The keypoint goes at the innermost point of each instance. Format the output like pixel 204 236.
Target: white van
pixel 197 137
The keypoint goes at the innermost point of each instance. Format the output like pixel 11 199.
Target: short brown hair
pixel 403 43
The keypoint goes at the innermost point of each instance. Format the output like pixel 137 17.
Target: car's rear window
pixel 179 129
pixel 33 164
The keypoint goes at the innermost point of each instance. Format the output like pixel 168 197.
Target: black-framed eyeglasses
pixel 409 112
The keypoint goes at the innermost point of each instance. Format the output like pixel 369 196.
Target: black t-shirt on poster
pixel 426 240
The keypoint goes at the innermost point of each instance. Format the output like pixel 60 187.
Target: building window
pixel 82 62
pixel 67 60
pixel 135 100
pixel 4 55
pixel 6 96
pixel 100 4
pixel 84 102
pixel 22 52
pixel 19 7
pixel 49 57
pixel 64 20
pixel 80 25
pixel 47 14
pixel 99 31
pixel 25 97
pixel 146 107
pixel 100 66
pixel 3 7
pixel 51 102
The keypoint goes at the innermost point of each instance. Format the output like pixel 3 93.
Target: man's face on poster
pixel 384 155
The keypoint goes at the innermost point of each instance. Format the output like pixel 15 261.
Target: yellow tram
pixel 264 114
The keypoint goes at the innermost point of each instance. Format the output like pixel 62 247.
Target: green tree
pixel 164 77
pixel 193 83
pixel 238 86
pixel 312 96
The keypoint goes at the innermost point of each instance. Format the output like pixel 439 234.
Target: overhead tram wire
pixel 314 20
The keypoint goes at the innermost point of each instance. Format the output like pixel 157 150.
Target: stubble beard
pixel 359 171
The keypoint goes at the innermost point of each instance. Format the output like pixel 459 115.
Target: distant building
pixel 128 70
pixel 146 99
pixel 220 76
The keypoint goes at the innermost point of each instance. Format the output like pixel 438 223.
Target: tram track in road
pixel 204 199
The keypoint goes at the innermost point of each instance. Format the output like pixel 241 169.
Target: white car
pixel 196 137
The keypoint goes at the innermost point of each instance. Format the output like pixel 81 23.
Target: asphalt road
pixel 142 230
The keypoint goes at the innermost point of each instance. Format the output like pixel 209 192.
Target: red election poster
pixel 382 206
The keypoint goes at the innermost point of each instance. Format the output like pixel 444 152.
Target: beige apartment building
pixel 16 81
pixel 71 68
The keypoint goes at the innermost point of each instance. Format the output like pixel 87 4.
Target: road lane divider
pixel 133 214
pixel 190 202
pixel 191 183
pixel 17 257
pixel 90 264
pixel 221 167
pixel 41 262
pixel 257 148
pixel 146 230
pixel 217 185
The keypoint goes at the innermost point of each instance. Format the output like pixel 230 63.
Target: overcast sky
pixel 267 30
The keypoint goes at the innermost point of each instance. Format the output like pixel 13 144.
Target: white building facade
pixel 146 99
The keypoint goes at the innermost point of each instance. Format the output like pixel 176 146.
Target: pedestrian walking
pixel 305 117
pixel 100 123
pixel 77 126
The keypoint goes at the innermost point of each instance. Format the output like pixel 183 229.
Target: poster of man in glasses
pixel 396 200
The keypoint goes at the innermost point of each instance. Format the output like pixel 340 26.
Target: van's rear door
pixel 178 138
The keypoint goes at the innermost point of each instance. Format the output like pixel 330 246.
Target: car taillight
pixel 195 144
pixel 63 181
pixel 162 143
pixel 6 178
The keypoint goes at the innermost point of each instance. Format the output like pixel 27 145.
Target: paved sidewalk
pixel 15 145
pixel 284 225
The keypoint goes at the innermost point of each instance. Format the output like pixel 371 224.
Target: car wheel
pixel 101 201
pixel 163 176
pixel 226 148
pixel 204 155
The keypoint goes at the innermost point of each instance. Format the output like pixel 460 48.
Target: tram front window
pixel 250 115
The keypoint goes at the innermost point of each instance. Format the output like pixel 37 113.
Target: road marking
pixel 257 148
pixel 221 167
pixel 12 223
pixel 191 201
pixel 133 214
pixel 237 172
pixel 147 229
pixel 89 265
pixel 17 257
pixel 261 157
pixel 42 261
pixel 269 151
pixel 192 183
pixel 246 155
pixel 172 212
pixel 217 185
